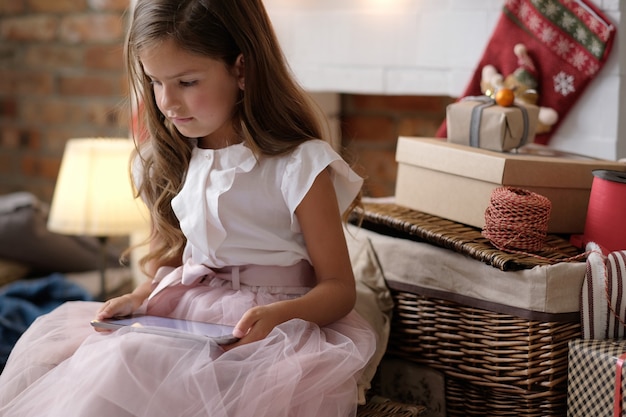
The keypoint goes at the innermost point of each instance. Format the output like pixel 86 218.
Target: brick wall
pixel 371 125
pixel 61 76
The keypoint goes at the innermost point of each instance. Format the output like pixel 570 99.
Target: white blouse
pixel 237 210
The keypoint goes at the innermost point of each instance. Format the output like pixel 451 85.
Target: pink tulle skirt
pixel 62 367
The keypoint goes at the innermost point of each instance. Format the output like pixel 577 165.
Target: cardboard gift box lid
pixel 456 181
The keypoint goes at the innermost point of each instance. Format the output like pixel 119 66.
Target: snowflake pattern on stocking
pixel 564 83
pixel 574 32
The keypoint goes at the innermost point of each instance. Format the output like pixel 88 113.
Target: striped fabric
pixel 603 296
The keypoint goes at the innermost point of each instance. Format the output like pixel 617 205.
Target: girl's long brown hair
pixel 273 116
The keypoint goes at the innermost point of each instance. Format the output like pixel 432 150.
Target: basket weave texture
pixel 384 407
pixel 398 221
pixel 495 364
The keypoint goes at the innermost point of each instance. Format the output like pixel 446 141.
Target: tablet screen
pixel 223 334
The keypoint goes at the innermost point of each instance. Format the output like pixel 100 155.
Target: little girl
pixel 246 204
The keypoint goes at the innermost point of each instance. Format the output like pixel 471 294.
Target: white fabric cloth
pixel 550 289
pixel 373 302
pixel 238 213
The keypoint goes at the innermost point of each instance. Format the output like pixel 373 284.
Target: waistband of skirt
pixel 298 275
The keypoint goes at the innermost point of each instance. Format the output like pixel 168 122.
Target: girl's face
pixel 196 93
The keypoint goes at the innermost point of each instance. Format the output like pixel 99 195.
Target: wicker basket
pixel 384 407
pixel 496 361
pixel 398 221
pixel 495 364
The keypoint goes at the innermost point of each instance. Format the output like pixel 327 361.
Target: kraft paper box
pixel 492 127
pixel 591 377
pixel 456 181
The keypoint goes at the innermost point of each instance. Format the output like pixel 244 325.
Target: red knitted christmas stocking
pixel 567 43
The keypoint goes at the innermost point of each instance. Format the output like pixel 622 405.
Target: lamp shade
pixel 93 194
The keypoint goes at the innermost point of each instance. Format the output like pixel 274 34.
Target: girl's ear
pixel 239 72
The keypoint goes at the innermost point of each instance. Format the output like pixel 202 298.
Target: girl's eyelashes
pixel 188 83
pixel 181 83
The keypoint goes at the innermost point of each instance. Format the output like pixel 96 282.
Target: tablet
pixel 222 334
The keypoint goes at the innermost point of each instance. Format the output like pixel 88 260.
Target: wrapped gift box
pixel 489 126
pixel 591 378
pixel 456 181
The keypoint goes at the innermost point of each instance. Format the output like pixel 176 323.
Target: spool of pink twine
pixel 517 219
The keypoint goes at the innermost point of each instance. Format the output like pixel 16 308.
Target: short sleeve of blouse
pixel 305 164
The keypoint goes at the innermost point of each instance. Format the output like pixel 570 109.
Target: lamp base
pixel 103 240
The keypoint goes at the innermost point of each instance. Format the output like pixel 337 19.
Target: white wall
pixel 431 47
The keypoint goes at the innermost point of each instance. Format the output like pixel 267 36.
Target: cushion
pixel 11 271
pixel 25 238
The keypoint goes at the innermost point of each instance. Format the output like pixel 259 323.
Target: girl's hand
pixel 125 304
pixel 118 306
pixel 256 324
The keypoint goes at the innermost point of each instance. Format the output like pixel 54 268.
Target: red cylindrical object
pixel 606 213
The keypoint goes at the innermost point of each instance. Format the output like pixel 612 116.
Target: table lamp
pixel 93 195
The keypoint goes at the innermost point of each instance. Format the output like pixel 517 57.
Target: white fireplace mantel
pixel 431 47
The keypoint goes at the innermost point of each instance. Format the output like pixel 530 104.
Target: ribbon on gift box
pixel 476 117
pixel 617 399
